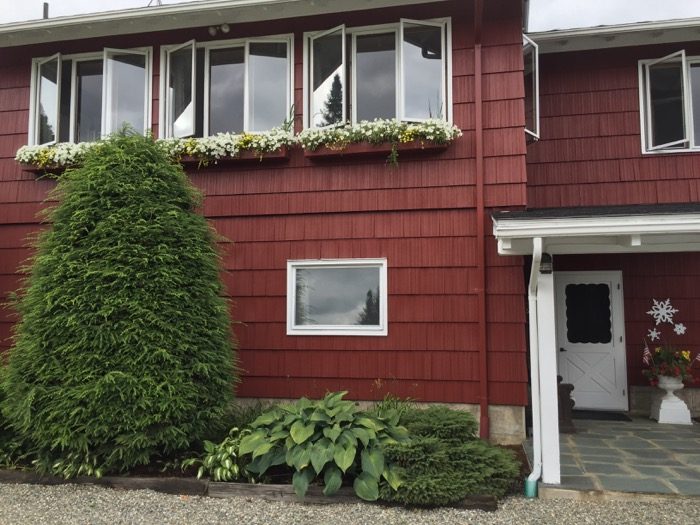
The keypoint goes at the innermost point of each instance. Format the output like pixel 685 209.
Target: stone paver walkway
pixel 639 456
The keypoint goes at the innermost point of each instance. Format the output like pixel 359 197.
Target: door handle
pixel 562 349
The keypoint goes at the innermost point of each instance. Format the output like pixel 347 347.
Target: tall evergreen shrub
pixel 124 352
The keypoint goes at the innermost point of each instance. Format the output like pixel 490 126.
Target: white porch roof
pixel 600 229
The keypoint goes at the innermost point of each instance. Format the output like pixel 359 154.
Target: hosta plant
pixel 326 440
pixel 222 461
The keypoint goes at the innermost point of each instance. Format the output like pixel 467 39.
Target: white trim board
pixel 177 16
pixel 608 234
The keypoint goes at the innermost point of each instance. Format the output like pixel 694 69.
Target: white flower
pixel 654 334
pixel 679 329
pixel 662 311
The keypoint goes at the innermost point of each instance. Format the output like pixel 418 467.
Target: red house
pixel 345 272
pixel 567 204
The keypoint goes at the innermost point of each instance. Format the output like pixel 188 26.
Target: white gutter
pixel 531 481
pixel 615 30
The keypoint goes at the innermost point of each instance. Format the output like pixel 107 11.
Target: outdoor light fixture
pixel 224 28
pixel 546 264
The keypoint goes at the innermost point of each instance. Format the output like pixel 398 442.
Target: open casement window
pixel 422 70
pixel 125 90
pixel 375 75
pixel 47 103
pixel 181 89
pixel 532 88
pixel 337 297
pixel 328 93
pixel 247 86
pixel 667 104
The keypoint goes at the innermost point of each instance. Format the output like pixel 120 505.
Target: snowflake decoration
pixel 679 329
pixel 662 311
pixel 654 334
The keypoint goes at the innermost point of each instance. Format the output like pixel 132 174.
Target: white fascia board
pixel 632 233
pixel 601 37
pixel 176 16
pixel 596 226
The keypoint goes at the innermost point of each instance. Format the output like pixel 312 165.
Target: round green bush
pixel 124 352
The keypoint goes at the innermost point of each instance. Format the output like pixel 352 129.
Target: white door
pixel 590 338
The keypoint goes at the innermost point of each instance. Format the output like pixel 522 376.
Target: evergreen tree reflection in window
pixel 370 313
pixel 333 107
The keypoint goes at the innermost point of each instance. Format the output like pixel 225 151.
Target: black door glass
pixel 588 315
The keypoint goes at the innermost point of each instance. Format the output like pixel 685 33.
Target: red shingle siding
pixel 420 216
pixel 590 150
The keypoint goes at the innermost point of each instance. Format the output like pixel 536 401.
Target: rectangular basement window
pixel 337 297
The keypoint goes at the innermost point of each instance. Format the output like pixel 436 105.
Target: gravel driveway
pixel 72 504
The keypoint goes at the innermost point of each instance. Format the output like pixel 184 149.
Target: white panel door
pixel 590 338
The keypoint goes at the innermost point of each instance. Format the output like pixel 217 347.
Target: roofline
pixel 617 35
pixel 175 16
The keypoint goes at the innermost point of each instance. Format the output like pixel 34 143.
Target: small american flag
pixel 646 355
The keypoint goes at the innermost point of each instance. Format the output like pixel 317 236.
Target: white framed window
pixel 82 97
pixel 226 86
pixel 337 297
pixel 388 71
pixel 669 97
pixel 531 81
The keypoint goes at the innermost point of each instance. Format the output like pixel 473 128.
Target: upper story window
pixel 79 98
pixel 232 86
pixel 531 81
pixel 670 103
pixel 396 71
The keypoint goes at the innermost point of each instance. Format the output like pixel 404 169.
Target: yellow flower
pixel 686 355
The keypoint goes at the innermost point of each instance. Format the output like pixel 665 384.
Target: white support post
pixel 546 322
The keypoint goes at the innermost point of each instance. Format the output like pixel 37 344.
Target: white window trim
pixel 353 73
pixel 445 22
pixel 529 43
pixel 245 44
pixel 644 106
pixel 165 104
pixel 107 86
pixel 35 102
pixel 330 330
pixel 80 57
pixel 307 86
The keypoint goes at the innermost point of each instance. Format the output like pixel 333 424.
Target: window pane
pixel 529 82
pixel 267 83
pixel 48 101
pixel 337 296
pixel 226 83
pixel 89 95
pixel 375 67
pixel 423 70
pixel 666 90
pixel 328 79
pixel 181 102
pixel 126 102
pixel 588 315
pixel 695 88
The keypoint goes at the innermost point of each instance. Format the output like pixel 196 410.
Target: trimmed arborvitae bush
pixel 124 352
pixel 444 462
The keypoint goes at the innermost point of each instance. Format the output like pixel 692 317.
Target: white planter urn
pixel 670 408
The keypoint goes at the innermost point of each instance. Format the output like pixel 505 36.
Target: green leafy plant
pixel 124 352
pixel 325 440
pixel 222 461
